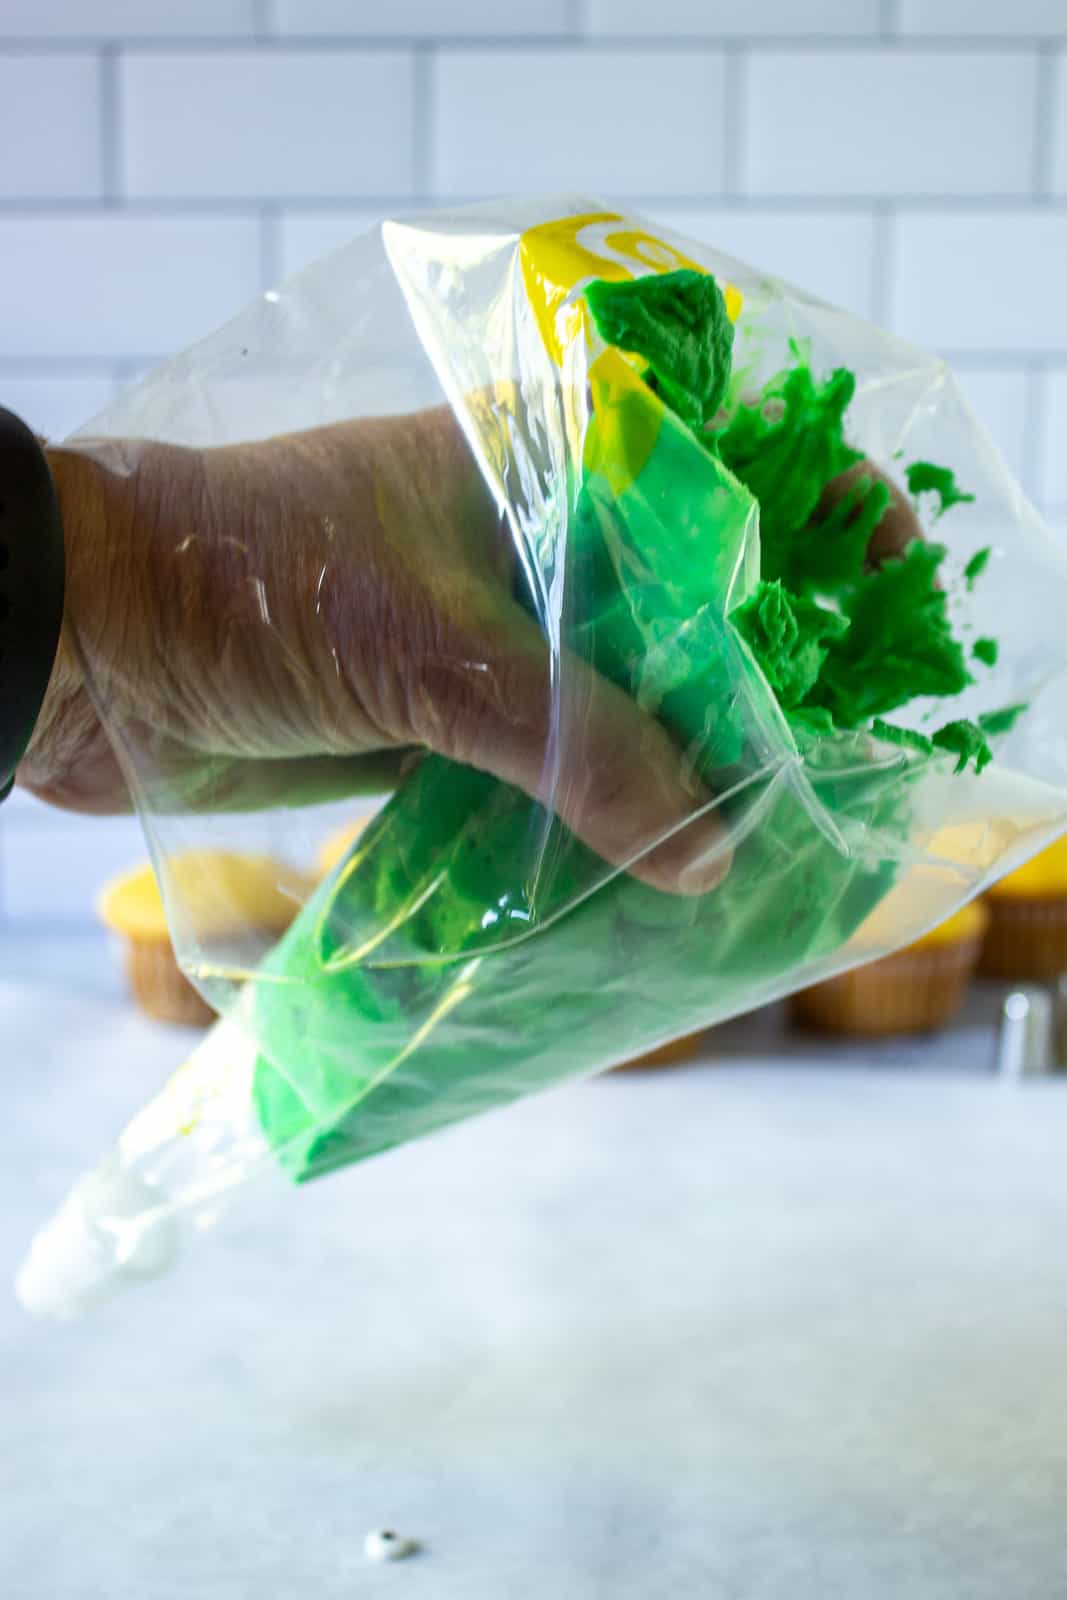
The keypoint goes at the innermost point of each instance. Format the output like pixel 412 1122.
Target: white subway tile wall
pixel 1053 485
pixel 733 18
pixel 50 116
pixel 263 123
pixel 982 278
pixel 579 120
pixel 958 18
pixel 127 19
pixel 450 19
pixel 1057 118
pixel 58 405
pixel 120 285
pixel 161 163
pixel 886 122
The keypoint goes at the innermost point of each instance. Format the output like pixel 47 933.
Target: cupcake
pixel 1027 933
pixel 667 1055
pixel 919 988
pixel 226 896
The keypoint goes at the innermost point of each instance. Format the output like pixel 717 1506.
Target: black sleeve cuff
pixel 32 576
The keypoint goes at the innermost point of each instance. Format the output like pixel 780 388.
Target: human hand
pixel 294 619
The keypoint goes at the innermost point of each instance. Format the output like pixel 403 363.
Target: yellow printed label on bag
pixel 557 258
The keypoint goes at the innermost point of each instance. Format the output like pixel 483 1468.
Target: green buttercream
pixel 896 641
pixel 810 724
pixel 677 323
pixel 967 741
pixel 924 478
pixel 789 636
pixel 472 949
pixel 985 651
pixel 977 565
pixel 889 733
pixel 899 642
pixel 785 450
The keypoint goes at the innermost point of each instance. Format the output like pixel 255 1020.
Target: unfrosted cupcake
pixel 667 1055
pixel 226 896
pixel 919 988
pixel 1027 933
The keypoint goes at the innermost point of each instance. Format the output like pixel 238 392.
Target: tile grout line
pixel 123 373
pixel 1044 123
pixel 270 246
pixel 883 263
pixel 653 43
pixel 1035 407
pixel 111 163
pixel 734 101
pixel 423 112
pixel 60 208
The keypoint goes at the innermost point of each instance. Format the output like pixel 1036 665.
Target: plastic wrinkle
pixel 695 470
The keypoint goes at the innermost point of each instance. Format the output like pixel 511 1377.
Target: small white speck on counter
pixel 382 1544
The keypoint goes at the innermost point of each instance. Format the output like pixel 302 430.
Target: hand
pixel 294 619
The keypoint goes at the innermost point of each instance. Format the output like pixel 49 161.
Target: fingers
pixel 579 745
pixel 195 782
pixel 899 524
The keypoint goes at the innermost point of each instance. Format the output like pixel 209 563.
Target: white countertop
pixel 756 1329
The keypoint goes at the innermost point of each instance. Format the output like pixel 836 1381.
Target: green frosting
pixel 679 325
pixel 470 949
pixel 985 651
pixel 899 643
pixel 789 636
pixel 967 741
pixel 977 565
pixel 870 641
pixel 908 738
pixel 785 449
pixel 924 477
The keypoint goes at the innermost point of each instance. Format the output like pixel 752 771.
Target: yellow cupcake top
pixel 338 845
pixel 1042 878
pixel 221 892
pixel 970 922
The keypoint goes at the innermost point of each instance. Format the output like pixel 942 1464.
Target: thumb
pixel 573 741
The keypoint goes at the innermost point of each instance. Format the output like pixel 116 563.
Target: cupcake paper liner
pixel 1027 938
pixel 161 988
pixel 913 991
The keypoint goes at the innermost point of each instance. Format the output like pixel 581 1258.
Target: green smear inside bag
pixel 470 949
pixel 926 478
